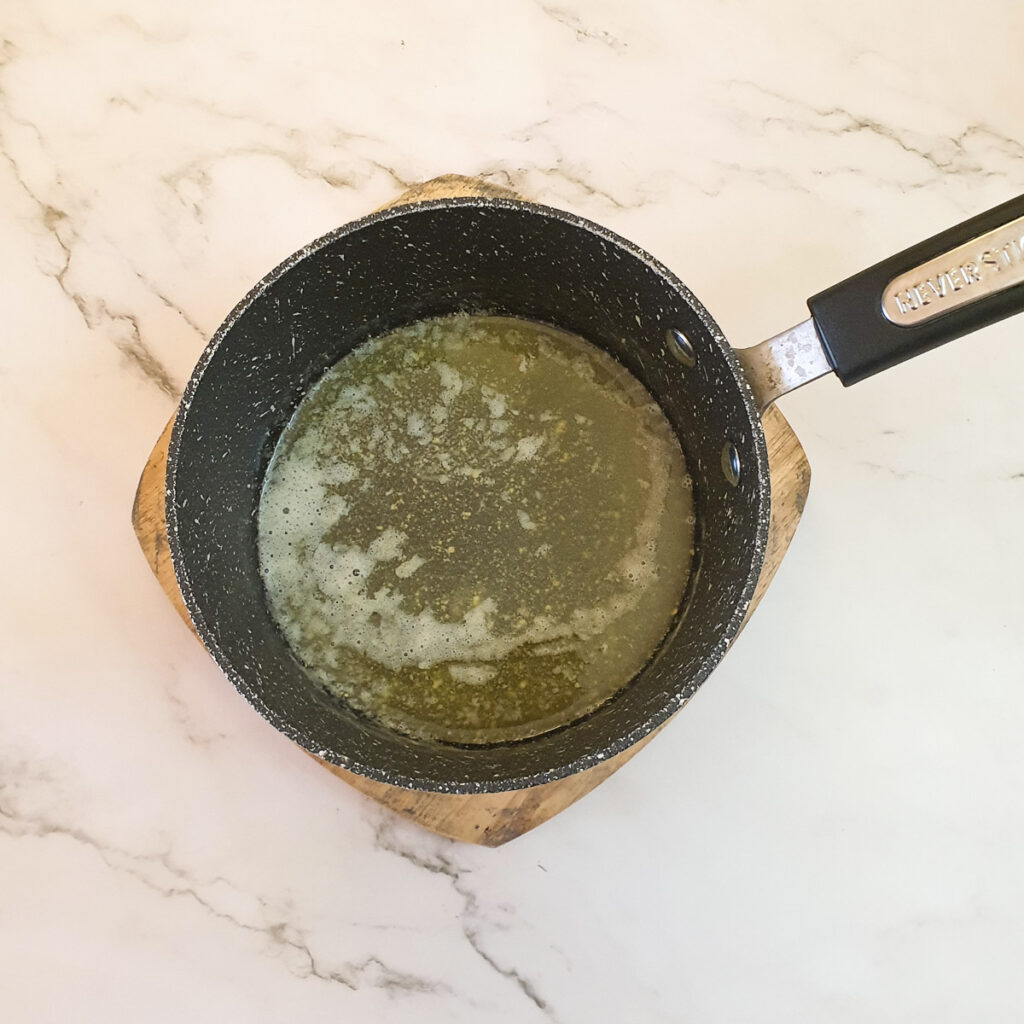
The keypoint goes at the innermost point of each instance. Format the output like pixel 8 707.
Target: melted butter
pixel 476 529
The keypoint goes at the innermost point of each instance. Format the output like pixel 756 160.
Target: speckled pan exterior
pixel 389 269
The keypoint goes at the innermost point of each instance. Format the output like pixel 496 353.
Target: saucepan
pixel 513 258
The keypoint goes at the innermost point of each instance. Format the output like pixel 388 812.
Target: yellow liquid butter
pixel 475 529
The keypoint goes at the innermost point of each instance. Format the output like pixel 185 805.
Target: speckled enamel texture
pixel 385 271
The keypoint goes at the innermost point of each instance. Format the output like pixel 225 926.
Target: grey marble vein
pixel 583 32
pixel 942 154
pixel 134 26
pixel 93 309
pixel 472 918
pixel 159 873
pixel 186 717
pixel 523 180
pixel 170 304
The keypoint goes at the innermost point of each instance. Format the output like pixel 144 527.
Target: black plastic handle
pixel 959 281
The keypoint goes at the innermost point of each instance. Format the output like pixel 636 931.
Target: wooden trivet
pixel 492 818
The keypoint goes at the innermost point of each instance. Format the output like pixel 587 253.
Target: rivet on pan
pixel 731 463
pixel 679 345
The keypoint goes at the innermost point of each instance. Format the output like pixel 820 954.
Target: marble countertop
pixel 833 831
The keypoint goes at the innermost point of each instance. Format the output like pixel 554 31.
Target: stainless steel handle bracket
pixel 784 363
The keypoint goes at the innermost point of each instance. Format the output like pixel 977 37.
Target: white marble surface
pixel 833 831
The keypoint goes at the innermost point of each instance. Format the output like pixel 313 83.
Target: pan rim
pixel 675 697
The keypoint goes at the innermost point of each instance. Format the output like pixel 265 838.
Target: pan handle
pixel 956 282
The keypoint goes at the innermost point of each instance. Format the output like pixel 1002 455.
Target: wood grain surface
pixel 491 818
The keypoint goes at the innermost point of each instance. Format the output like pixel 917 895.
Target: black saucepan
pixel 506 257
